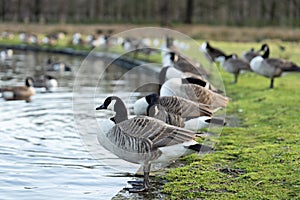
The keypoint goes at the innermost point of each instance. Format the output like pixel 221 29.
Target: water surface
pixel 42 152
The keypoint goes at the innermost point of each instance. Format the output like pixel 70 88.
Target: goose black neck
pixel 162 75
pixel 121 111
pixel 28 81
pixel 228 56
pixel 196 81
pixel 266 53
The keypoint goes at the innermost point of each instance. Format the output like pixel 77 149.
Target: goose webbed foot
pixel 137 186
pixel 137 189
pixel 136 183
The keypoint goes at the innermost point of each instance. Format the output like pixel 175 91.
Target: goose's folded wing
pixel 187 65
pixel 274 62
pixel 184 107
pixel 202 95
pixel 159 112
pixel 157 132
pixel 240 64
pixel 197 93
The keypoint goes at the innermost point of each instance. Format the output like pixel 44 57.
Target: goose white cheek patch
pixel 111 106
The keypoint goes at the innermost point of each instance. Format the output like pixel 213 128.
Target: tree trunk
pixel 164 12
pixel 189 10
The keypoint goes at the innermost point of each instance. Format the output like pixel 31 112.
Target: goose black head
pixel 48 77
pixel 152 99
pixel 141 105
pixel 29 82
pixel 264 47
pixel 266 50
pixel 208 45
pixel 234 56
pixel 117 105
pixel 173 57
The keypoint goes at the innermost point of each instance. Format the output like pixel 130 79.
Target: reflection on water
pixel 41 154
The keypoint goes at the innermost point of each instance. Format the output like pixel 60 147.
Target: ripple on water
pixel 42 155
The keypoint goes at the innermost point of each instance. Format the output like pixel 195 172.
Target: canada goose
pixel 249 55
pixel 19 92
pixel 176 111
pixel 172 104
pixel 211 52
pixel 169 72
pixel 233 64
pixel 47 81
pixel 272 67
pixel 144 140
pixel 185 64
pixel 57 66
pixel 194 92
pixel 194 124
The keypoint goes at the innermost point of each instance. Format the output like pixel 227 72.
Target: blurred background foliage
pixel 164 12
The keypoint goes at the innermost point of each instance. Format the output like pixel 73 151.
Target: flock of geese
pixel 47 81
pixel 167 122
pixel 256 61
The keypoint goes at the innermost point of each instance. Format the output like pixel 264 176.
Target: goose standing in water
pixel 194 92
pixel 144 140
pixel 233 64
pixel 19 92
pixel 272 67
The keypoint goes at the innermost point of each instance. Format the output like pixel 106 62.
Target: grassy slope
pixel 260 159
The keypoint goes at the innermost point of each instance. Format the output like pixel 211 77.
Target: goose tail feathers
pixel 200 148
pixel 220 101
pixel 292 68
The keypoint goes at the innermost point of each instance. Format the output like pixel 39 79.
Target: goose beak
pixel 101 107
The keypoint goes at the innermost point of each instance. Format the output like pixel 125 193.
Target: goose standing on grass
pixel 249 55
pixel 144 140
pixel 194 92
pixel 19 92
pixel 272 67
pixel 185 64
pixel 176 111
pixel 172 104
pixel 169 72
pixel 232 64
pixel 211 52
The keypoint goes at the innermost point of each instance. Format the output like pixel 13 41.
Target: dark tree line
pixel 165 12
